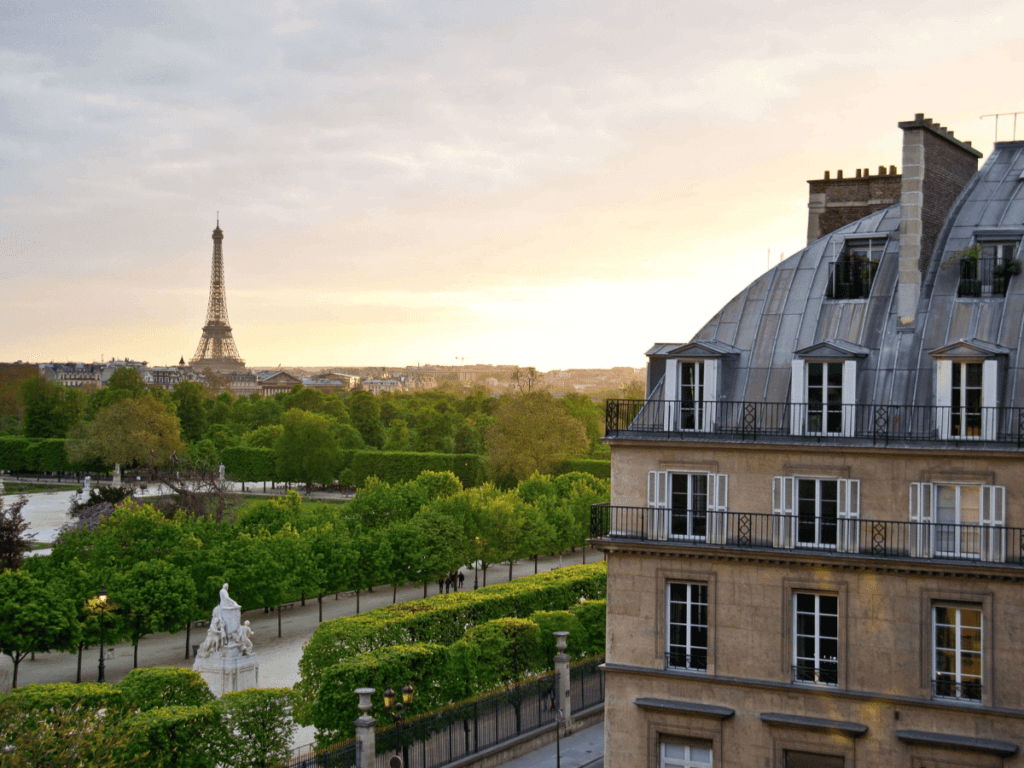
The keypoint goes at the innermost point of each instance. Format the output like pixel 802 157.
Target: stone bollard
pixel 562 670
pixel 366 739
pixel 116 480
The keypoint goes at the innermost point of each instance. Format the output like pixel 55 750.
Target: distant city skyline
pixel 548 185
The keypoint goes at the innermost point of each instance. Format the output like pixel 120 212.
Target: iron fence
pixel 341 756
pixel 819 422
pixel 818 533
pixel 586 684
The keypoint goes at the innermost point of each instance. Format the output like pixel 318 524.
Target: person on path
pixel 462 578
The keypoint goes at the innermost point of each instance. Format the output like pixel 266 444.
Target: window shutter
pixel 782 508
pixel 710 394
pixel 798 399
pixel 921 534
pixel 943 396
pixel 989 399
pixel 671 395
pixel 657 501
pixel 993 520
pixel 849 516
pixel 849 396
pixel 718 503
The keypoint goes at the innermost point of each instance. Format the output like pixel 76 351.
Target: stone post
pixel 562 670
pixel 116 482
pixel 366 737
pixel 220 473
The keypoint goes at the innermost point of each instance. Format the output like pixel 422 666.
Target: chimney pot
pixel 858 173
pixel 919 117
pixel 867 172
pixel 881 170
pixel 839 174
pixel 826 175
pixel 892 170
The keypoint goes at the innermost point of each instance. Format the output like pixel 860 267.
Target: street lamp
pixel 476 581
pixel 102 598
pixel 553 705
pixel 397 711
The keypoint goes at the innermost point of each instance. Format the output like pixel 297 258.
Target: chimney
pixel 936 168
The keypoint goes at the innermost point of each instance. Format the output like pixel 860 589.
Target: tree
pixel 306 451
pixel 364 410
pixel 261 726
pixel 133 431
pixel 532 433
pixel 50 408
pixel 398 438
pixel 190 399
pixel 125 383
pixel 154 596
pixel 14 542
pixel 586 412
pixel 524 379
pixel 37 617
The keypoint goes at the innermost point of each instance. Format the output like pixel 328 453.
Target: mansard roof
pixel 784 313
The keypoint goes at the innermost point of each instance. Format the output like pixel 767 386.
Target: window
pixel 957 638
pixel 688 515
pixel 816 512
pixel 687 505
pixel 815 638
pixel 986 268
pixel 958 521
pixel 687 646
pixel 809 760
pixel 823 391
pixel 677 755
pixel 691 391
pixel 967 390
pixel 851 275
pixel 824 398
pixel 965 400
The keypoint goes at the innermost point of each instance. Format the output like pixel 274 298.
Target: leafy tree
pixel 261 726
pixel 306 451
pixel 441 544
pixel 133 431
pixel 125 383
pixel 524 379
pixel 586 412
pixel 190 398
pixel 14 542
pixel 532 433
pixel 50 408
pixel 399 438
pixel 154 596
pixel 263 437
pixel 37 617
pixel 348 438
pixel 364 410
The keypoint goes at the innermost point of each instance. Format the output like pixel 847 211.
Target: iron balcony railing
pixel 820 422
pixel 985 277
pixel 823 673
pixel 949 688
pixel 850 279
pixel 695 662
pixel 821 534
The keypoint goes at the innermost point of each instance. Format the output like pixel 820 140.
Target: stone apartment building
pixel 815 540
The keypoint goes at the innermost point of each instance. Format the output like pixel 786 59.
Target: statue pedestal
pixel 228 670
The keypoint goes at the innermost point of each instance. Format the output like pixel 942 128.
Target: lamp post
pixel 102 598
pixel 476 580
pixel 397 711
pixel 553 704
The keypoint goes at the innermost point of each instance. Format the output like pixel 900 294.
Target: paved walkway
pixel 583 749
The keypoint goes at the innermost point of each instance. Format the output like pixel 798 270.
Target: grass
pixel 17 489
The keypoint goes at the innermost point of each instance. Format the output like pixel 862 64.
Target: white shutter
pixel 848 539
pixel 993 521
pixel 943 396
pixel 921 534
pixel 710 394
pixel 670 395
pixel 989 400
pixel 798 399
pixel 657 503
pixel 718 504
pixel 849 396
pixel 782 510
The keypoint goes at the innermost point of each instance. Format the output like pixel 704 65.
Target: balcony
pixel 817 535
pixel 814 422
pixel 985 276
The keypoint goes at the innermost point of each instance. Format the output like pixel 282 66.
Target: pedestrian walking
pixel 462 578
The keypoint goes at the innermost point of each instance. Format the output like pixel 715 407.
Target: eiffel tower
pixel 217 350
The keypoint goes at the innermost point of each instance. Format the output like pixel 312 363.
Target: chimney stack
pixel 936 168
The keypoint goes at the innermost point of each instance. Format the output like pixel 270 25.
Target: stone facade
pixel 834 203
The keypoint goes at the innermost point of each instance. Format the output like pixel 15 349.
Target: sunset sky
pixel 555 184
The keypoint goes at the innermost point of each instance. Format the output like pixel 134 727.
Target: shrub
pixel 550 622
pixel 596 467
pixel 183 737
pixel 260 726
pixel 246 464
pixel 593 616
pixel 14 454
pixel 145 689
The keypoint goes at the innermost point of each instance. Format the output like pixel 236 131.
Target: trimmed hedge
pixel 184 737
pixel 14 454
pixel 363 648
pixel 600 468
pixel 40 700
pixel 48 455
pixel 400 466
pixel 154 687
pixel 249 465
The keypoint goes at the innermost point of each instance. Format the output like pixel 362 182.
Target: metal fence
pixel 818 422
pixel 819 533
pixel 340 756
pixel 440 738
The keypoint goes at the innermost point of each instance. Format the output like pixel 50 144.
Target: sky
pixel 556 184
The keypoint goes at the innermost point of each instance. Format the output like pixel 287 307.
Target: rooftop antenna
pixel 997 115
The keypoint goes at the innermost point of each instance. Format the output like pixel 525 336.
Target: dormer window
pixel 824 386
pixel 852 274
pixel 691 385
pixel 966 390
pixel 987 266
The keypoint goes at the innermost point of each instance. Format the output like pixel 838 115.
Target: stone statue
pixel 242 638
pixel 226 660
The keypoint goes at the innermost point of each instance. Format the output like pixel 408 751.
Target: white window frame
pixel 687 760
pixel 989 417
pixel 659 506
pixel 704 411
pixel 800 417
pixel 957 676
pixel 786 520
pixel 925 537
pixel 817 657
pixel 688 648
